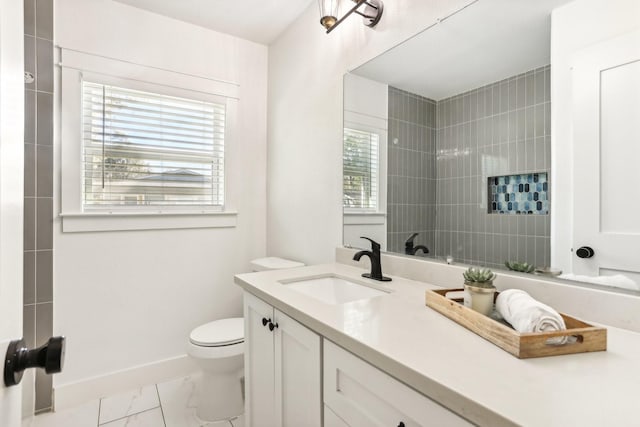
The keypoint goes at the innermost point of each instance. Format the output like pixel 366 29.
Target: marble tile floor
pixel 168 404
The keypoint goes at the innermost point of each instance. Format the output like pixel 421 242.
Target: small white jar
pixel 478 298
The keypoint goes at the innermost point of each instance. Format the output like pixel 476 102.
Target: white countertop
pixel 400 335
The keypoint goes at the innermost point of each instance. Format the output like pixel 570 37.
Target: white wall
pixel 366 105
pixel 126 299
pixel 575 26
pixel 304 211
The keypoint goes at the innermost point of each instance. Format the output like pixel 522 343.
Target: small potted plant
pixel 479 289
pixel 522 267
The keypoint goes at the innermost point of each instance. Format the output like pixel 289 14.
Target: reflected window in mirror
pixel 361 166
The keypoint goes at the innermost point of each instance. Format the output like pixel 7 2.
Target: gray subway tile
pixel 44 223
pixel 29 277
pixel 539 120
pixel 495 91
pixel 521 92
pixel 539 86
pixel 29 170
pixel 513 94
pixel 45 170
pixel 504 96
pixel 521 120
pixel 30 17
pixel 43 397
pixel 529 86
pixel 547 118
pixel 473 105
pixel 44 19
pixel 44 71
pixel 530 122
pixel 481 103
pixel 29 325
pixel 547 84
pixel 44 276
pixel 30 59
pixel 44 116
pixel 44 322
pixel 29 225
pixel 29 116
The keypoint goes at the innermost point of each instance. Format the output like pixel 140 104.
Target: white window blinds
pixel 360 165
pixel 148 149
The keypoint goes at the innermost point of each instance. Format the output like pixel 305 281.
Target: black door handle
pixel 585 252
pixel 49 356
pixel 265 321
pixel 272 326
pixel 401 424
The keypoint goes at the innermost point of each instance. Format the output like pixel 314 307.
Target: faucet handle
pixel 375 246
pixel 409 241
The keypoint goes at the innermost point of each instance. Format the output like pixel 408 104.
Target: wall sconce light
pixel 371 12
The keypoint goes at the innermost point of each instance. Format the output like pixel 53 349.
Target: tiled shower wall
pixel 439 165
pixel 38 185
pixel 411 194
pixel 499 129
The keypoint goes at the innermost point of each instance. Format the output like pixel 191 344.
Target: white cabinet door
pixel 606 127
pixel 298 398
pixel 258 364
pixel 364 396
pixel 282 369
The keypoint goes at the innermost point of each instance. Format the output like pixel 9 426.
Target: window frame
pixel 76 67
pixel 369 125
pixel 156 90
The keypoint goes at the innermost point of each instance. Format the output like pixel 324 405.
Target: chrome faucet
pixel 374 256
pixel 409 249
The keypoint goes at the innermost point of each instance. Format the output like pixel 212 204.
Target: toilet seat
pixel 219 333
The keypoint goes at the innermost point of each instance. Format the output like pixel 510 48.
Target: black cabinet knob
pixel 272 326
pixel 401 424
pixel 585 252
pixel 49 356
pixel 265 321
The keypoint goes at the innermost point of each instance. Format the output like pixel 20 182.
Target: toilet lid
pixel 219 333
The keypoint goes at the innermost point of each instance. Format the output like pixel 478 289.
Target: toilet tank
pixel 273 263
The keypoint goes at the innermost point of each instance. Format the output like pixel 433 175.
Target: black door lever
pixel 49 356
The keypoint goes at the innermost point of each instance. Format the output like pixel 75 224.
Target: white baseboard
pixel 73 394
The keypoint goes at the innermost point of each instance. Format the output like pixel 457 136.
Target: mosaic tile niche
pixel 525 194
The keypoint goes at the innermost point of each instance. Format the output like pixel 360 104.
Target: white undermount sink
pixel 334 290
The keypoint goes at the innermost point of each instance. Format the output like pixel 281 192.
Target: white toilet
pixel 218 348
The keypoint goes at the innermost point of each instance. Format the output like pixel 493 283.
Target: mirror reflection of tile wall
pixel 411 190
pixel 438 170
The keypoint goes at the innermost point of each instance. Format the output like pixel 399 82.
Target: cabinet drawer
pixel 331 419
pixel 362 395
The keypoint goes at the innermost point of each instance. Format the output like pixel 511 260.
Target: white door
pixel 298 398
pixel 11 193
pixel 606 127
pixel 258 363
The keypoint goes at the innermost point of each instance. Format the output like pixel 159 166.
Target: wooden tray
pixel 523 346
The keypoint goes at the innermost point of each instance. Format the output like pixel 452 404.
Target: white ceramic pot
pixel 479 299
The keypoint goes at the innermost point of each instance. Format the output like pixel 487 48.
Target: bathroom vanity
pixel 389 360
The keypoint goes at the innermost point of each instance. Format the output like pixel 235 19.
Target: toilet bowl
pixel 218 348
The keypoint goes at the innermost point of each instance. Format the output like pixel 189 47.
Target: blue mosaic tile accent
pixel 526 194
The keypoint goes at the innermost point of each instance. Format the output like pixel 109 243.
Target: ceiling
pixel 488 41
pixel 261 21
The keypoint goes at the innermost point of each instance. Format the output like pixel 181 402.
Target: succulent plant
pixel 522 267
pixel 480 277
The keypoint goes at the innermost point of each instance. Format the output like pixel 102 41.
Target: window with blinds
pixel 149 149
pixel 360 169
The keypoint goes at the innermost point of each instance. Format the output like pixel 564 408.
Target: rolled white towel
pixel 526 314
